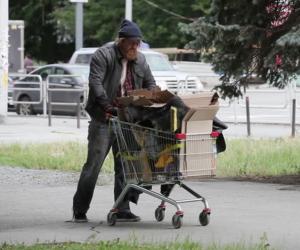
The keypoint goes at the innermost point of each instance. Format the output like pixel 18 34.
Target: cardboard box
pixel 203 108
pixel 144 97
pixel 198 156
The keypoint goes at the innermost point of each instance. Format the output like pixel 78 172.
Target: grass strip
pixel 129 245
pixel 64 156
pixel 249 157
pixel 243 157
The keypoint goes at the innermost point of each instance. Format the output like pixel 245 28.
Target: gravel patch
pixel 23 176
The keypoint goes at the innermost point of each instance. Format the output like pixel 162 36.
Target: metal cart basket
pixel 150 156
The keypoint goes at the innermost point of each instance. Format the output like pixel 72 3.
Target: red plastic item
pixel 180 136
pixel 215 134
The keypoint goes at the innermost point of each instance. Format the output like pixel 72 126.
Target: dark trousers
pixel 100 140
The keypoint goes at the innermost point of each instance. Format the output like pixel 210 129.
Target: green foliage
pixel 260 158
pixel 243 157
pixel 134 244
pixel 160 28
pixel 242 38
pixel 41 38
pixel 65 156
pixel 50 24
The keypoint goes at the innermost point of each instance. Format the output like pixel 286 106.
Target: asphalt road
pixel 34 205
pixel 35 129
pixel 35 210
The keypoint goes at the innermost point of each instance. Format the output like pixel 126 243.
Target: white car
pixel 165 75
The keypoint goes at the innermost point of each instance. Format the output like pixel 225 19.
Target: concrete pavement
pixel 36 211
pixel 35 129
pixel 22 129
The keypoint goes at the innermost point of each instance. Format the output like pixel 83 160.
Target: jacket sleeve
pixel 98 67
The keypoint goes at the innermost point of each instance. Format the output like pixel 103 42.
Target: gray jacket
pixel 104 78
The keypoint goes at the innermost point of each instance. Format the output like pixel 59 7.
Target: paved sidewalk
pixel 35 129
pixel 35 210
pixel 34 205
pixel 22 129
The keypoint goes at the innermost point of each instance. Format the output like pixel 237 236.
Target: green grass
pixel 129 245
pixel 243 157
pixel 248 157
pixel 65 156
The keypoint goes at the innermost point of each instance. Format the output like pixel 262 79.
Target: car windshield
pixel 84 71
pixel 83 58
pixel 158 62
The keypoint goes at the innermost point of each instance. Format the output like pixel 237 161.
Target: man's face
pixel 128 47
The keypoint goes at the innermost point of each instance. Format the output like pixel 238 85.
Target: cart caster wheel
pixel 177 221
pixel 204 217
pixel 111 218
pixel 160 213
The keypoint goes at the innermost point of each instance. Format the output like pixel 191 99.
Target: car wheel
pixel 24 108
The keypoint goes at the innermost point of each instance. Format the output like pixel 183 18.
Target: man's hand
pixel 111 111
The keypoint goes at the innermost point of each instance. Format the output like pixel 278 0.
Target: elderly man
pixel 114 70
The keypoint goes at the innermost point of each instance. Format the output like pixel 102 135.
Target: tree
pixel 246 37
pixel 41 37
pixel 50 24
pixel 157 20
pixel 101 21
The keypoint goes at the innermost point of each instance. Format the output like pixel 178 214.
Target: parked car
pixel 28 89
pixel 10 104
pixel 166 76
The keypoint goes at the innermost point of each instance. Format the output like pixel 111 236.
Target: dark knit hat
pixel 129 29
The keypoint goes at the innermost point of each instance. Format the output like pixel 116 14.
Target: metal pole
pixel 248 116
pixel 44 86
pixel 78 113
pixel 79 26
pixel 3 59
pixel 128 10
pixel 293 117
pixel 49 108
pixel 22 55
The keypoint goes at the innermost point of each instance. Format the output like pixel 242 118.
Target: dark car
pixel 62 79
pixel 10 104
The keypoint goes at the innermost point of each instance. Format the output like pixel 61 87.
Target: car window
pixel 82 72
pixel 158 62
pixel 83 58
pixel 44 72
pixel 58 79
pixel 61 71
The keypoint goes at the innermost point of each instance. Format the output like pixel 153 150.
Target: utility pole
pixel 79 26
pixel 79 23
pixel 3 58
pixel 128 10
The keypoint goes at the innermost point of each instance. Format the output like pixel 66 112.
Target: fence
pixel 263 105
pixel 57 90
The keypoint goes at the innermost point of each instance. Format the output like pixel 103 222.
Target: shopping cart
pixel 150 156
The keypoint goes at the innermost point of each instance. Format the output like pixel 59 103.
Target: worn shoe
pixel 80 218
pixel 127 217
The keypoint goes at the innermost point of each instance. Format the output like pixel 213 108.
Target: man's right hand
pixel 111 111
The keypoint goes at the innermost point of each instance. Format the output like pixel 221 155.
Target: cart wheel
pixel 177 221
pixel 204 218
pixel 111 218
pixel 159 214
